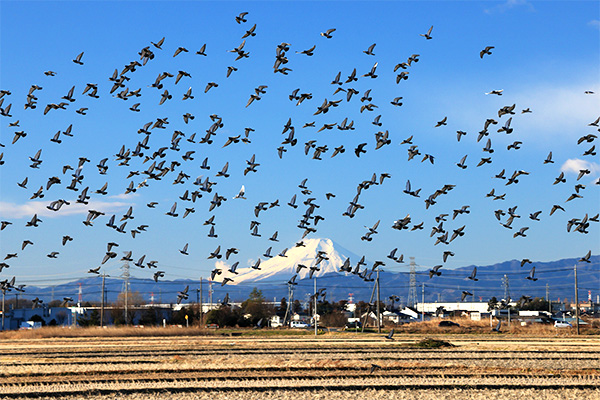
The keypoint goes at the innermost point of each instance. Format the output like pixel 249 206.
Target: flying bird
pixel 328 33
pixel 428 34
pixel 486 51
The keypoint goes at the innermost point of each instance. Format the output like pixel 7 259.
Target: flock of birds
pixel 156 167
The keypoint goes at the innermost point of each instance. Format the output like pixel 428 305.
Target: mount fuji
pixel 283 268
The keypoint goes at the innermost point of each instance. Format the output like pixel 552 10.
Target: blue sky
pixel 546 56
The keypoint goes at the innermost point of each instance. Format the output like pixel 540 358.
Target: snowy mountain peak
pixel 281 269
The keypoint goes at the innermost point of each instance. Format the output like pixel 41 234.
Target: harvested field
pixel 327 366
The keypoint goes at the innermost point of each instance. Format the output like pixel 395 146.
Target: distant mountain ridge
pixel 274 273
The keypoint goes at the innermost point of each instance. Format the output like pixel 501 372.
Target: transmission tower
pixel 125 275
pixel 506 288
pixel 412 289
pixel 125 288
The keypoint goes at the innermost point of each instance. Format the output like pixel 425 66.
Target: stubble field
pixel 340 366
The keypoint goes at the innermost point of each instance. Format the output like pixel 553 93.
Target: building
pixel 48 316
pixel 432 308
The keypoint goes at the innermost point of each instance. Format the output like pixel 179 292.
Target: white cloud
pixel 124 196
pixel 595 23
pixel 557 112
pixel 510 4
pixel 13 210
pixel 574 165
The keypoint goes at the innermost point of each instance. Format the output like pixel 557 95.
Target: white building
pixel 480 307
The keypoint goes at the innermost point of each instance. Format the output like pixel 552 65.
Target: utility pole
pixel 201 308
pixel 3 310
pixel 378 314
pixel 126 306
pixel 125 275
pixel 288 309
pixel 576 300
pixel 102 303
pixel 423 302
pixel 210 293
pixel 548 298
pixel 369 308
pixel 315 310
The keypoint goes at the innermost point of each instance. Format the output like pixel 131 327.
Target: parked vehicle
pixel 562 324
pixel 447 323
pixel 353 325
pixel 30 325
pixel 299 324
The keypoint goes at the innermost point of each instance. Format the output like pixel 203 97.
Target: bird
pixel 94 270
pixel 428 34
pixel 497 92
pixel 77 59
pixel 157 275
pixel 327 33
pixel 442 122
pixel 464 295
pixel 369 51
pixel 486 51
pixel 159 43
pixel 241 17
pixel 497 328
pixel 586 258
pixel 435 271
pixel 182 295
pixel 180 50
pixel 473 273
pixel 390 335
pixel 202 51
pixel 308 52
pixel 531 275
pixel 184 251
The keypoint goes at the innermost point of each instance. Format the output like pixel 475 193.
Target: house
pixel 60 316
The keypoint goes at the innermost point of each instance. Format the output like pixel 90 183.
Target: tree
pixel 178 318
pixel 93 319
pixel 226 316
pixel 335 318
pixel 537 304
pixel 61 317
pixel 134 299
pixel 54 303
pixel 324 308
pixel 37 318
pixel 149 317
pixel 256 307
pixel 297 307
pixel 280 311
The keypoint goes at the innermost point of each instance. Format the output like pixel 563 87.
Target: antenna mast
pixel 412 291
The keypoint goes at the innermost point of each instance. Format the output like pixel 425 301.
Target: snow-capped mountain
pixel 283 268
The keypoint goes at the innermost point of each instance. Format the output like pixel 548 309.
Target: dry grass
pixel 67 332
pixel 425 328
pixel 327 367
pixel 467 326
pixel 372 394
